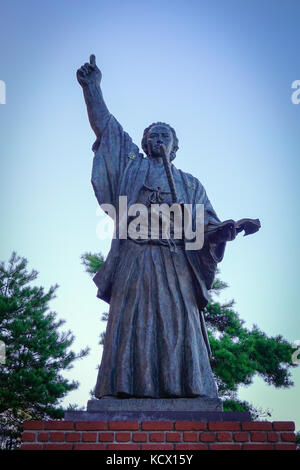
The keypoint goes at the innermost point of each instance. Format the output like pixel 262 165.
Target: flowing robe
pixel 156 343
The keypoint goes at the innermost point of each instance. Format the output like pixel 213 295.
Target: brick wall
pixel 159 435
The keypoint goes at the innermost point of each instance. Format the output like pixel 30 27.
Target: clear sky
pixel 220 73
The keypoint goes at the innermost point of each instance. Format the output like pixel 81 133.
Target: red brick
pixel 89 446
pixel 91 426
pixel 257 446
pixel 123 436
pixel 72 436
pixel 224 436
pixel 57 436
pixel 157 426
pixel 123 425
pixel 58 446
pixel 43 436
pixel 89 437
pixel 273 436
pixel 38 425
pixel 157 446
pixel 288 437
pixel 106 436
pixel 241 436
pixel 157 437
pixel 207 437
pixel 123 447
pixel 190 437
pixel 190 426
pixel 225 446
pixel 256 426
pixel 59 425
pixel 190 447
pixel 258 436
pixel 285 446
pixel 224 426
pixel 28 436
pixel 283 426
pixel 139 437
pixel 31 447
pixel 173 436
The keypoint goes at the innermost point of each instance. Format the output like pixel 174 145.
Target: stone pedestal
pixel 167 424
pixel 158 409
pixel 155 404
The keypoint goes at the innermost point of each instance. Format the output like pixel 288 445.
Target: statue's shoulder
pixel 191 181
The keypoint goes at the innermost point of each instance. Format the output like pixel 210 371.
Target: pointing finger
pixel 92 59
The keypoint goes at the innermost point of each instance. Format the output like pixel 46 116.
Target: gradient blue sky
pixel 221 74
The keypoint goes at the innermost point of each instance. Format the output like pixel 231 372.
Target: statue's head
pixel 156 134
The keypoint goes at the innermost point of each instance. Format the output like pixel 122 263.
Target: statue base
pixel 156 409
pixel 155 404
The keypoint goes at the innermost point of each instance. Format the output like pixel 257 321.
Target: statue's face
pixel 158 135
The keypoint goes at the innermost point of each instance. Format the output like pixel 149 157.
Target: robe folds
pixel 156 343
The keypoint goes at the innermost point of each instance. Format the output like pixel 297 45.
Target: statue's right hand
pixel 89 73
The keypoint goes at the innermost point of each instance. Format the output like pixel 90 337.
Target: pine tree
pixel 34 352
pixel 238 353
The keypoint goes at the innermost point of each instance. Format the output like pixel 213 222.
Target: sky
pixel 220 73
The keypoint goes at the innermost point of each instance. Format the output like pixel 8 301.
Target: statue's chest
pixel 155 189
pixel 146 184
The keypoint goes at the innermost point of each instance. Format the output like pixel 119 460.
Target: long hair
pixel 175 139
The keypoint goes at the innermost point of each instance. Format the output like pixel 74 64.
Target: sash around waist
pixel 171 243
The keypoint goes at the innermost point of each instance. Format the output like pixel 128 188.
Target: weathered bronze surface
pixel 156 344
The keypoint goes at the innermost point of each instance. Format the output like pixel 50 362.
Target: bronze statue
pixel 156 344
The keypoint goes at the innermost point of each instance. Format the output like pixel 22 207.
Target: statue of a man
pixel 156 343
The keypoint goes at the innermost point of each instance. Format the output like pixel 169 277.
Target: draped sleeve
pixel 216 250
pixel 207 258
pixel 112 153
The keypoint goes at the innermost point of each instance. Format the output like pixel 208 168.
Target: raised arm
pixel 89 77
